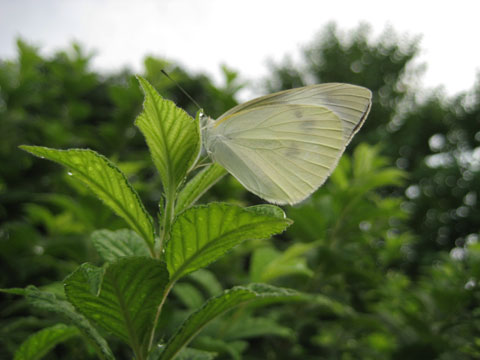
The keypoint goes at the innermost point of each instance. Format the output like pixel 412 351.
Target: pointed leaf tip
pixel 172 136
pixel 106 181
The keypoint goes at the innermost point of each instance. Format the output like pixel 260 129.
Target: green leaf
pixel 112 245
pixel 207 280
pixel 363 159
pixel 41 342
pixel 106 181
pixel 196 187
pixel 249 327
pixel 272 294
pixel 370 169
pixel 341 175
pixel 189 295
pixel 185 354
pixel 131 291
pixel 49 302
pixel 172 135
pixel 268 263
pixel 231 350
pixel 15 291
pixel 218 305
pixel 267 209
pixel 194 354
pixel 94 278
pixel 202 234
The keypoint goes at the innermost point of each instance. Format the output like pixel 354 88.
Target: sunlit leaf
pixel 197 186
pixel 202 234
pixel 106 181
pixel 172 135
pixel 267 209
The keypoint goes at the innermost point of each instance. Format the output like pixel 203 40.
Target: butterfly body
pixel 283 146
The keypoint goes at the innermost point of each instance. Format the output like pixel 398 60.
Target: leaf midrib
pixel 170 174
pixel 129 325
pixel 92 180
pixel 117 202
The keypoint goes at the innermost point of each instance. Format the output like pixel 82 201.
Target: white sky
pixel 201 35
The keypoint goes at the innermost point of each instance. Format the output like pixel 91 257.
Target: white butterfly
pixel 283 146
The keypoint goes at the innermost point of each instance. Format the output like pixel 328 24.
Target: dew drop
pixel 70 173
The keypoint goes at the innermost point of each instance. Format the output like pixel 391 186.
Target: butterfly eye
pixel 203 120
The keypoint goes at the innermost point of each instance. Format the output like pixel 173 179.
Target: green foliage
pixel 188 354
pixel 106 181
pixel 202 234
pixel 123 298
pixel 269 263
pixel 207 281
pixel 113 245
pixel 196 187
pixel 423 132
pixel 50 302
pixel 387 249
pixel 220 304
pixel 126 296
pixel 251 327
pixel 40 343
pixel 172 136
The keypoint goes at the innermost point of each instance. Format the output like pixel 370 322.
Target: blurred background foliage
pixel 390 241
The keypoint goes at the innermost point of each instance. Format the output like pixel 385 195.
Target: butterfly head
pixel 206 124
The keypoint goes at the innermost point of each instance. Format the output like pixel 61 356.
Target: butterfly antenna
pixel 182 89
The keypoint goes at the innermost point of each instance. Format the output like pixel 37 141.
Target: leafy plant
pixel 400 261
pixel 125 296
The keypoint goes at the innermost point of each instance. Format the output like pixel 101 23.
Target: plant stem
pixel 168 213
pixel 157 315
pixel 151 249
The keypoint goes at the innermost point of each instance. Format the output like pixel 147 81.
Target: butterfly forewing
pixel 350 102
